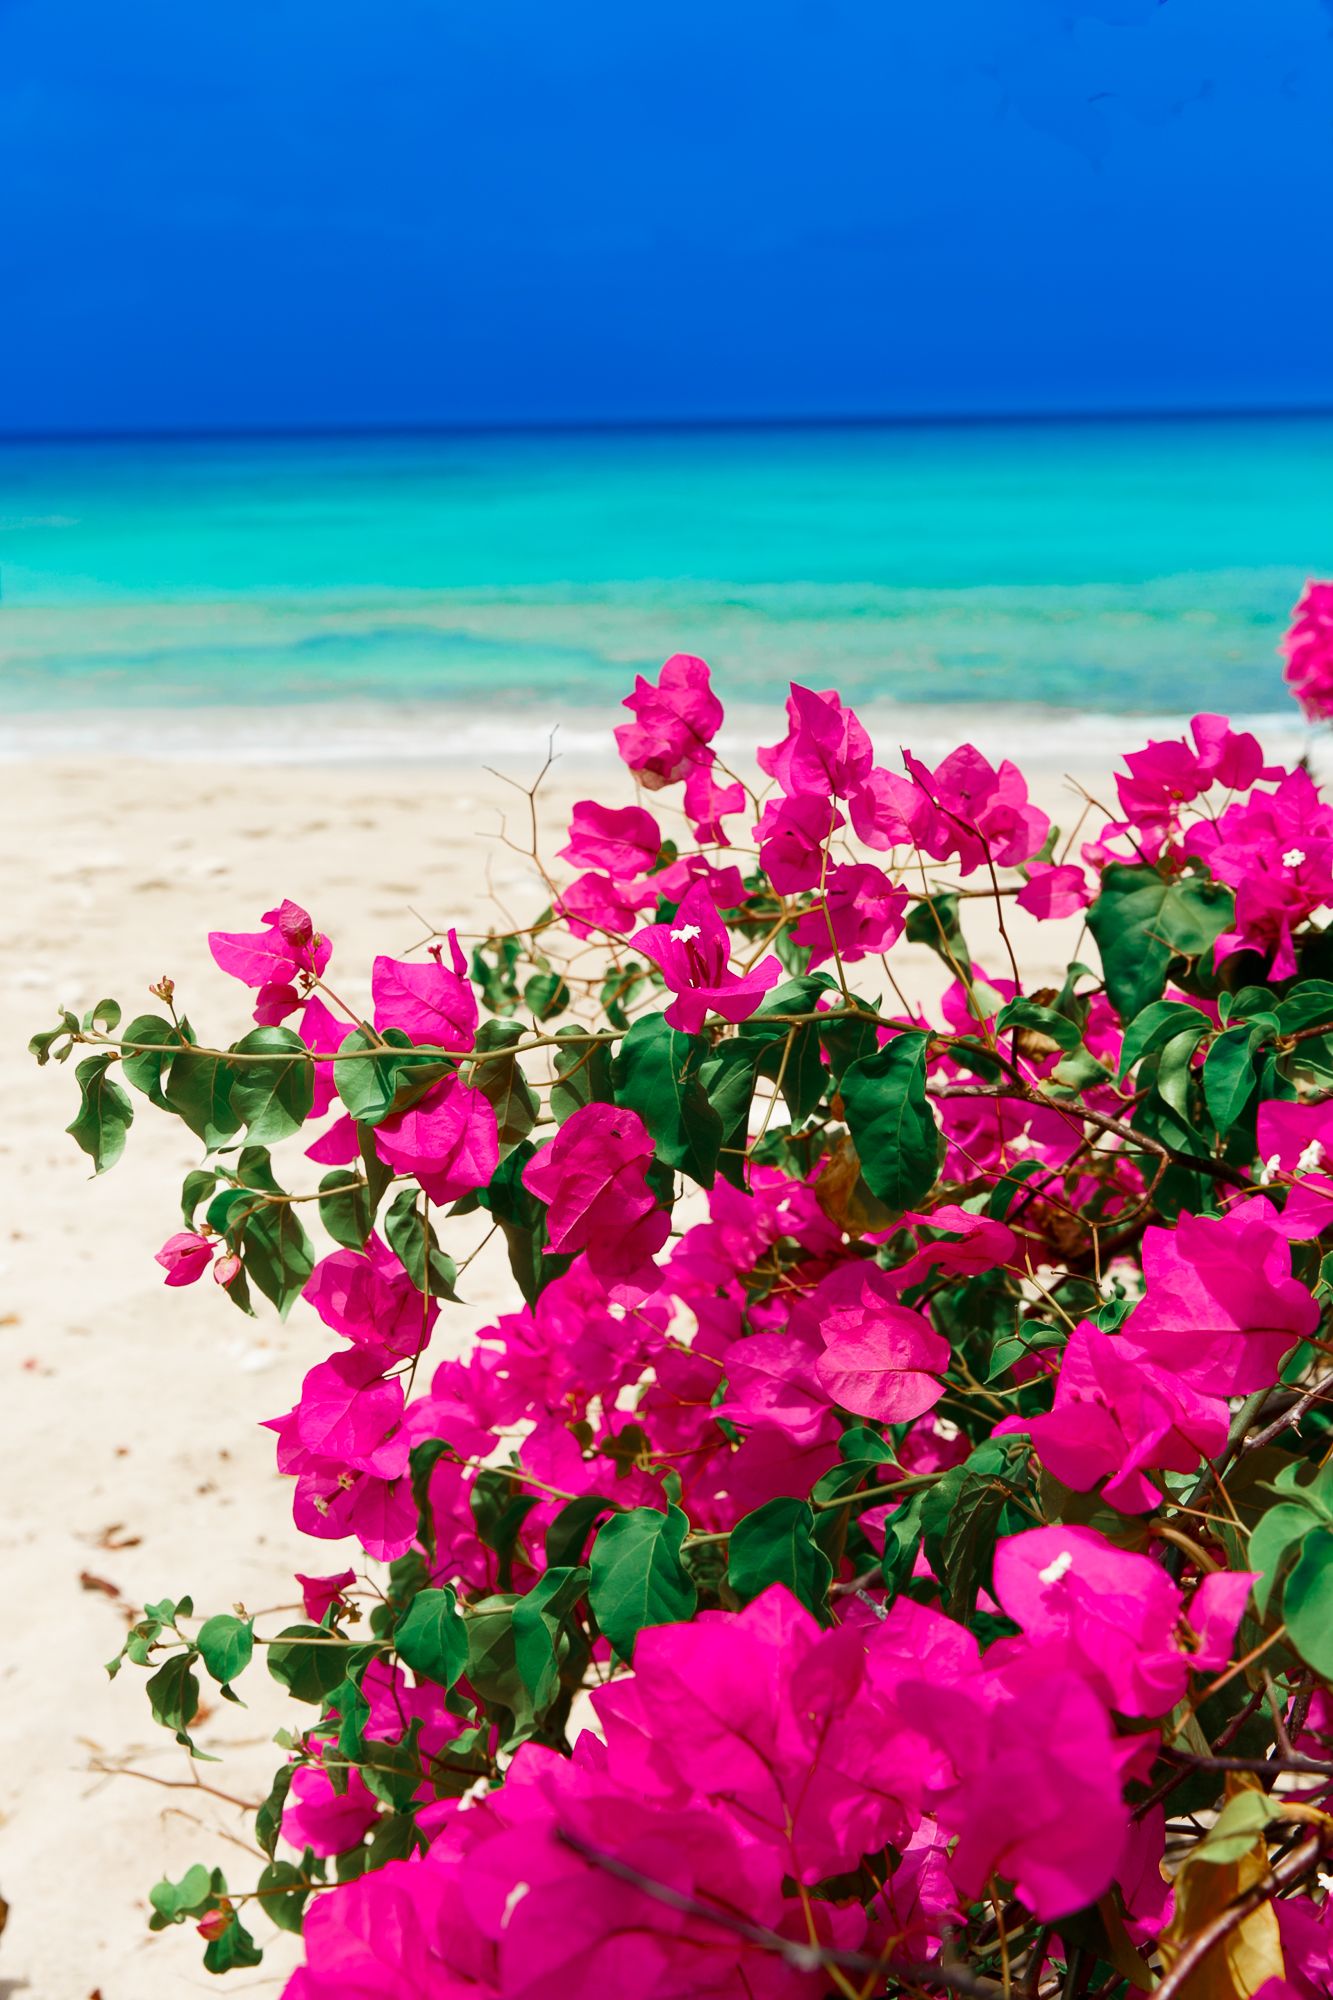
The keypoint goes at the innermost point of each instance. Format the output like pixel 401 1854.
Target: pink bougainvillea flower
pixel 862 912
pixel 368 1298
pixel 879 1359
pixel 331 1502
pixel 707 803
pixel 322 1819
pixel 593 1179
pixel 772 1382
pixel 968 1245
pixel 673 724
pixel 351 1412
pixel 427 1002
pixel 339 1145
pixel 1116 1416
pixel 692 951
pixel 888 810
pixel 1308 645
pixel 1034 1791
pixel 597 903
pixel 1114 1612
pixel 448 1140
pixel 185 1257
pixel 623 841
pixel 793 833
pixel 1275 849
pixel 980 810
pixel 273 959
pixel 1220 1306
pixel 1054 892
pixel 825 753
pixel 319 1592
pixel 1296 1143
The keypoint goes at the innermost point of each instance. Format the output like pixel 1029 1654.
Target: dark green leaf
pixel 934 922
pixel 538 1618
pixel 226 1646
pixel 1228 1076
pixel 173 1694
pixel 1307 1601
pixel 1155 1026
pixel 502 1083
pixel 568 1532
pixel 143 1068
pixel 198 1089
pixel 268 1820
pixel 272 1099
pixel 775 1544
pixel 1141 921
pixel 344 1207
pixel 891 1122
pixel 412 1239
pixel 105 1114
pixel 432 1638
pixel 1029 1014
pixel 282 1893
pixel 278 1254
pixel 657 1074
pixel 582 1073
pixel 638 1578
pixel 233 1949
pixel 546 995
pixel 308 1661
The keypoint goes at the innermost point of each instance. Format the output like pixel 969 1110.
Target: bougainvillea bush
pixel 887 1546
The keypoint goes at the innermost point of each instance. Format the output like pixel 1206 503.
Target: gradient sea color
pixel 1089 568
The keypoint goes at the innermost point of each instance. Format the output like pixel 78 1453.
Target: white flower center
pixel 1293 857
pixel 1057 1567
pixel 512 1901
pixel 1268 1169
pixel 1312 1157
pixel 689 931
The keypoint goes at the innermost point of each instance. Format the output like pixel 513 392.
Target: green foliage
pixel 272 1099
pixel 432 1638
pixel 1142 920
pixel 775 1544
pixel 892 1125
pixel 658 1074
pixel 104 1116
pixel 638 1577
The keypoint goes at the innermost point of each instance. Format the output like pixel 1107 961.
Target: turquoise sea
pixel 496 580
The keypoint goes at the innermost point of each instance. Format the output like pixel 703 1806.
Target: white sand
pixel 130 1441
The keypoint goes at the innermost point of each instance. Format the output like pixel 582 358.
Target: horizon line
pixel 638 426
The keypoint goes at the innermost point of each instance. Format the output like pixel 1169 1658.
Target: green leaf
pixel 173 1694
pixel 657 1074
pixel 582 1073
pixel 105 1114
pixel 283 1892
pixel 792 1052
pixel 638 1577
pixel 278 1253
pixel 432 1638
pixel 1156 1026
pixel 1307 1601
pixel 522 1220
pixel 226 1646
pixel 775 1544
pixel 394 1774
pixel 728 1076
pixel 373 1086
pixel 233 1949
pixel 546 995
pixel 568 1532
pixel 892 1125
pixel 307 1661
pixel 1277 1534
pixel 538 1618
pixel 173 1902
pixel 1029 1014
pixel 412 1239
pixel 1241 1822
pixel 1141 921
pixel 502 1083
pixel 1228 1076
pixel 344 1207
pixel 268 1820
pixel 902 1539
pixel 198 1090
pixel 934 922
pixel 960 1517
pixel 143 1068
pixel 272 1099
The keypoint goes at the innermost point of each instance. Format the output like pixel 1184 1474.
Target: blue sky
pixel 276 213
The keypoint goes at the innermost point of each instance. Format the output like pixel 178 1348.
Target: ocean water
pixel 293 595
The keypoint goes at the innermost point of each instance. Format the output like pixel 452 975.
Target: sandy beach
pixel 132 1464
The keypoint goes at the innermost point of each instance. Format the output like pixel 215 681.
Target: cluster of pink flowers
pixel 773 1790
